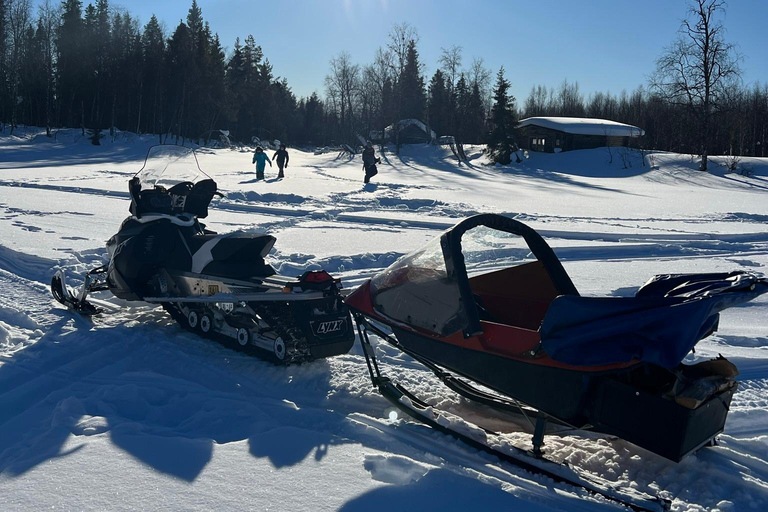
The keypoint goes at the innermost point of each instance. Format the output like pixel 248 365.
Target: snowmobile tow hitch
pixel 532 462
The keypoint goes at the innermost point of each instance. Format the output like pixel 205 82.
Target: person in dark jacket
pixel 282 160
pixel 369 162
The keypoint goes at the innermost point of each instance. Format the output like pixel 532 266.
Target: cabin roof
pixel 584 126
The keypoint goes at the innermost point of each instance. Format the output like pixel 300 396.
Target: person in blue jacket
pixel 260 158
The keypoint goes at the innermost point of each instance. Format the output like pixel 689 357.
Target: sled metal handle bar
pixel 456 266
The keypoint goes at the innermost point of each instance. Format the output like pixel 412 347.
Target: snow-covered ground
pixel 129 412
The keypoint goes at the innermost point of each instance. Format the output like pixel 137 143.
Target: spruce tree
pixel 439 104
pixel 178 62
pixel 153 50
pixel 412 84
pixel 4 90
pixel 313 119
pixel 215 87
pixel 460 109
pixel 475 116
pixel 70 64
pixel 501 141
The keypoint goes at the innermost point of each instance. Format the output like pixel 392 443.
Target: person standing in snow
pixel 260 158
pixel 369 162
pixel 282 160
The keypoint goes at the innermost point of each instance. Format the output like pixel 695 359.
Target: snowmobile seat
pixel 517 296
pixel 231 256
pixel 199 197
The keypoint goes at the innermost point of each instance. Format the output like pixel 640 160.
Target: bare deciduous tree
pixel 399 38
pixel 698 67
pixel 342 84
pixel 450 62
pixel 481 76
pixel 377 77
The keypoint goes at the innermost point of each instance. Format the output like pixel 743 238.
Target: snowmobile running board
pixel 531 462
pixel 239 297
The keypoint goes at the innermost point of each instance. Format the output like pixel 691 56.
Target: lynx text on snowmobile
pixel 217 285
pixel 613 365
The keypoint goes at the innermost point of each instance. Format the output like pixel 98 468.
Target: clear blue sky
pixel 602 44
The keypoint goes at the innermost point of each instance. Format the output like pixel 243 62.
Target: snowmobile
pixel 216 285
pixel 522 339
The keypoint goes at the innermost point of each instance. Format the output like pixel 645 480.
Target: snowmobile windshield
pixel 168 165
pixel 418 291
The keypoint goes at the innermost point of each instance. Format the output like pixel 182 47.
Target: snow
pixel 584 126
pixel 127 411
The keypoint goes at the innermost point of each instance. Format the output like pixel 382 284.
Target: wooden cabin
pixel 556 134
pixel 410 131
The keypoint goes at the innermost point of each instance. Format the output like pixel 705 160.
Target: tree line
pixel 739 126
pixel 97 68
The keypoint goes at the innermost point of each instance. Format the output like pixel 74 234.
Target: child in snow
pixel 369 162
pixel 260 158
pixel 282 160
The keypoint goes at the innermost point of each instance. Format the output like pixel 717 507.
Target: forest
pixel 95 67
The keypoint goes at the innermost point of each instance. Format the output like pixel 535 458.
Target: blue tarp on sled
pixel 660 325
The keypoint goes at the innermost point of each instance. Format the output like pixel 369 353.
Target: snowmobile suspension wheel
pixel 193 319
pixel 243 336
pixel 279 349
pixel 206 323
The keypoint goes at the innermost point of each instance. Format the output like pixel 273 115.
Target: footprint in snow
pixel 393 469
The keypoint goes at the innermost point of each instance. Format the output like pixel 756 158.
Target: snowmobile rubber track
pixel 420 411
pixel 296 345
pixel 294 354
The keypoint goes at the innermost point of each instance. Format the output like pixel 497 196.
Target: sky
pixel 604 45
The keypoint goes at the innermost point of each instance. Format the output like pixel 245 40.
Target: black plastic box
pixel 656 423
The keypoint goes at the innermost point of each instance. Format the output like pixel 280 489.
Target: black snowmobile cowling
pixel 520 328
pixel 217 285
